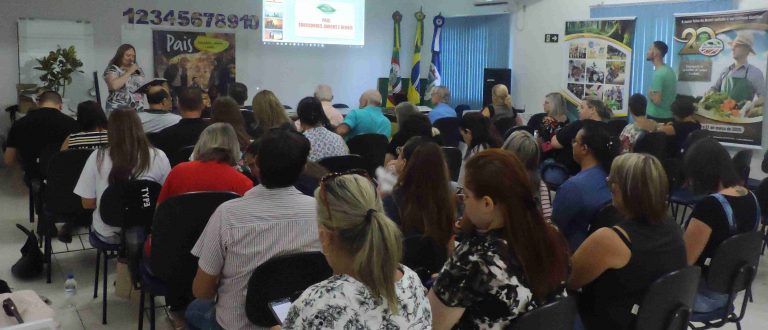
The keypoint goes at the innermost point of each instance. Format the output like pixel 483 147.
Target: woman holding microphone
pixel 123 77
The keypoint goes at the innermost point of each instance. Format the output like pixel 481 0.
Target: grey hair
pixel 324 93
pixel 442 92
pixel 558 104
pixel 219 136
pixel 372 97
pixel 405 109
pixel 525 147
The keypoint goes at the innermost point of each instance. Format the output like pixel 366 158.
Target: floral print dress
pixel 124 96
pixel 342 302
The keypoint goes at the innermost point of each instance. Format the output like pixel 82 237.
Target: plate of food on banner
pixel 718 106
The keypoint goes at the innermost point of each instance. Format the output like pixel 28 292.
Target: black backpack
pixel 31 263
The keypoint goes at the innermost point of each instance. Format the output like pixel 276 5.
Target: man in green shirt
pixel 663 90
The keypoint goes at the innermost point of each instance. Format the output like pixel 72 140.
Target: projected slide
pixel 336 22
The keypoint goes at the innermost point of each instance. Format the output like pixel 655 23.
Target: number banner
pixel 721 66
pixel 599 62
pixel 199 59
pixel 191 18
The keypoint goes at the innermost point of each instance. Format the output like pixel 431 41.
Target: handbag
pixel 31 263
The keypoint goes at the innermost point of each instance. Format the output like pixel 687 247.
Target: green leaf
pixel 326 8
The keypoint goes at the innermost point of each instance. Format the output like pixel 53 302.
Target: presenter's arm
pixel 9 157
pixel 116 82
pixel 655 97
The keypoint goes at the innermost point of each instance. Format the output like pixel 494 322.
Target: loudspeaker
pixel 493 77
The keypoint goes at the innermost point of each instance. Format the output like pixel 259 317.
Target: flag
pixel 395 82
pixel 413 91
pixel 434 67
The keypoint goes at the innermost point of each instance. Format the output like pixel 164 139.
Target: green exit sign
pixel 551 38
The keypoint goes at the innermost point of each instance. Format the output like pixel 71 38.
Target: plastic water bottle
pixel 70 289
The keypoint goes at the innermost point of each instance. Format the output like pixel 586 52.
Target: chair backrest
pixel 461 108
pixel 130 203
pixel 391 117
pixel 762 197
pixel 668 302
pixel 340 106
pixel 282 277
pixel 652 143
pixel 453 160
pixel 764 165
pixel 607 216
pixel 449 131
pixel 287 107
pixel 504 123
pixel 558 315
pixel 340 164
pixel 63 172
pixel 559 171
pixel 423 256
pixel 742 160
pixel 734 263
pixel 615 126
pixel 45 156
pixel 177 224
pixel 181 155
pixel 373 149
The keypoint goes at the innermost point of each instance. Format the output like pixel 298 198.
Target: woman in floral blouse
pixel 123 77
pixel 509 260
pixel 371 289
pixel 316 128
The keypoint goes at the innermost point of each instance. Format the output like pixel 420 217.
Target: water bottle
pixel 70 289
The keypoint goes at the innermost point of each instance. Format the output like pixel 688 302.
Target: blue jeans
pixel 201 315
pixel 707 300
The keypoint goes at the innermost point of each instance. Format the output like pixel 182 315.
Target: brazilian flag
pixel 413 91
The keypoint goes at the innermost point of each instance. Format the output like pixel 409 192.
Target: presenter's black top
pixel 656 250
pixel 38 129
pixel 184 133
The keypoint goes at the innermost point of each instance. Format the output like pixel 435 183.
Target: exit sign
pixel 551 37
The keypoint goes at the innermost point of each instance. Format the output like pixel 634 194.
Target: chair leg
pixel 104 291
pixel 48 256
pixel 151 312
pixel 141 309
pixel 31 206
pixel 96 277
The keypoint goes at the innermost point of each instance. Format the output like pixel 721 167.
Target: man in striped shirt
pixel 270 220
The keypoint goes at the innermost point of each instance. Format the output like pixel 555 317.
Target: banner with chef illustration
pixel 721 67
pixel 599 61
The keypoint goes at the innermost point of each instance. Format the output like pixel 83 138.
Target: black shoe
pixel 65 233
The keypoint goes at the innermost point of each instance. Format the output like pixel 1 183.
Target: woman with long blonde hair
pixel 268 112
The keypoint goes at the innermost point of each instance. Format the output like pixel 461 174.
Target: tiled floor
pixel 124 314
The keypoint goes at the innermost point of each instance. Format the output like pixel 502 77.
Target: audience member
pixel 188 129
pixel 729 209
pixel 682 125
pixel 524 146
pixel 641 124
pixel 315 126
pixel 93 128
pixel 663 89
pixel 510 260
pixel 551 121
pixel 405 109
pixel 368 119
pixel 615 265
pixel 579 198
pixel 325 95
pixel 128 156
pixel 268 112
pixel 272 219
pixel 40 128
pixel 501 105
pixel 226 110
pixel 478 135
pixel 370 290
pixel 239 92
pixel 307 182
pixel 409 126
pixel 158 116
pixel 589 109
pixel 441 95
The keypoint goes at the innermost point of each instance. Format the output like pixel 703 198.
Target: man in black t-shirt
pixel 186 132
pixel 40 128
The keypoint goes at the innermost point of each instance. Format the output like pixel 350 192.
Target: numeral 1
pixel 129 12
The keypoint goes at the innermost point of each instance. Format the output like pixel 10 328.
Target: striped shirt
pixel 88 140
pixel 246 232
pixel 546 204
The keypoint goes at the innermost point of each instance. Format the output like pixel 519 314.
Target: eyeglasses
pixel 330 177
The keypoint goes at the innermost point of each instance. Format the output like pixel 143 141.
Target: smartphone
pixel 11 310
pixel 280 309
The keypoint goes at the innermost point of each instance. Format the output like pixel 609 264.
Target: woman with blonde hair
pixel 551 121
pixel 615 265
pixel 371 289
pixel 268 112
pixel 501 105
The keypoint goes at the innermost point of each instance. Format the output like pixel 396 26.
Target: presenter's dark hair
pixel 311 113
pixel 683 108
pixel 49 96
pixel 239 92
pixel 157 96
pixel 637 104
pixel 90 116
pixel 119 54
pixel 661 47
pixel 190 99
pixel 282 156
pixel 719 169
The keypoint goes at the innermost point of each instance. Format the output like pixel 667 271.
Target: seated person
pixel 93 128
pixel 307 182
pixel 39 129
pixel 710 223
pixel 370 288
pixel 478 134
pixel 552 120
pixel 315 126
pixel 501 106
pixel 617 264
pixel 682 125
pixel 272 219
pixel 268 113
pixel 441 95
pixel 324 93
pixel 524 146
pixel 159 115
pixel 226 110
pixel 368 119
pixel 188 129
pixel 640 125
pixel 579 198
pixel 589 109
pixel 510 260
pixel 408 126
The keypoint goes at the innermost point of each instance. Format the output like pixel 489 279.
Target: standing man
pixel 742 81
pixel 663 90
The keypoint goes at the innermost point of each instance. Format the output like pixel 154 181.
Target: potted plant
pixel 58 68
